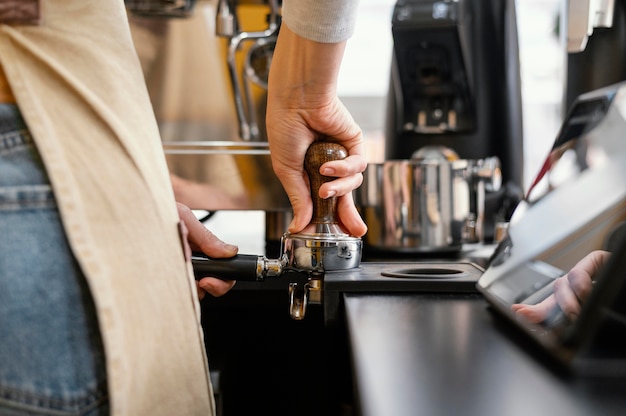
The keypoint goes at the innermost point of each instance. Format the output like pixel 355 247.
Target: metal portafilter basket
pixel 322 247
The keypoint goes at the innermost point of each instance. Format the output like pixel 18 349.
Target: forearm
pixel 304 72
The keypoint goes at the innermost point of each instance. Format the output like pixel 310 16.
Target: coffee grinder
pixel 455 82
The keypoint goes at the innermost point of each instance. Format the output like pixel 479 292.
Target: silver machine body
pixel 576 205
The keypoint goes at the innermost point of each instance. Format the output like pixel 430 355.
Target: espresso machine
pixel 585 169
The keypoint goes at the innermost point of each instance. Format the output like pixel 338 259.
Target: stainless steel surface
pixel 300 296
pixel 425 205
pixel 575 207
pixel 245 180
pixel 322 252
pixel 317 254
pixel 227 26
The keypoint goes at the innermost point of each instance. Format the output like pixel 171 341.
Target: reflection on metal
pixel 244 180
pixel 256 64
pixel 560 239
pixel 427 204
pixel 300 295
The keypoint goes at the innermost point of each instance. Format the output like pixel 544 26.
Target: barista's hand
pixel 196 237
pixel 302 106
pixel 570 290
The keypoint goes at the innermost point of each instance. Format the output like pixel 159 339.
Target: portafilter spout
pixel 321 247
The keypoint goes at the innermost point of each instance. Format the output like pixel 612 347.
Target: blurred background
pixel 198 105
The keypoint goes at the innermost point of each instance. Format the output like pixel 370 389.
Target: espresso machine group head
pixel 320 248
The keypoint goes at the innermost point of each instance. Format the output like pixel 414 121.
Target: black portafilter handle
pixel 243 267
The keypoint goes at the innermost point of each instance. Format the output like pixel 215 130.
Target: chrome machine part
pixel 431 203
pixel 256 63
pixel 485 176
pixel 322 252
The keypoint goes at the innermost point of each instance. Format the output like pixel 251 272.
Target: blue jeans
pixel 51 353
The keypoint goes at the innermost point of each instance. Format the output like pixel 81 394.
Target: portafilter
pixel 321 247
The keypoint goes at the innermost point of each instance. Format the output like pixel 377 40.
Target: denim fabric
pixel 51 354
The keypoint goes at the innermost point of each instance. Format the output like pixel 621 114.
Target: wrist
pixel 304 71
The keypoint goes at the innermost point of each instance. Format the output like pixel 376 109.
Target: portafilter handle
pixel 324 210
pixel 245 267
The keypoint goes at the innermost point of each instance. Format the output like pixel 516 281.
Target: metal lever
pixel 227 26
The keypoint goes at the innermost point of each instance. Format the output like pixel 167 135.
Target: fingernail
pixel 328 171
pixel 331 193
pixel 231 247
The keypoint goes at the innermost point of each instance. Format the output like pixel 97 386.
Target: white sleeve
pixel 326 21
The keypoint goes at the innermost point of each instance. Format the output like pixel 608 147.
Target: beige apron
pixel 79 84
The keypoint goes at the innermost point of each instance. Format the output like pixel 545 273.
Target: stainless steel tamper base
pixel 322 252
pixel 317 253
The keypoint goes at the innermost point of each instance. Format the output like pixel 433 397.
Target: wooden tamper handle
pixel 324 210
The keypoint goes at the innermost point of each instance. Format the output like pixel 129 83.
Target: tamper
pixel 323 246
pixel 320 248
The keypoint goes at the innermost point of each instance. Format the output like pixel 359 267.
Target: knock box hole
pixel 426 273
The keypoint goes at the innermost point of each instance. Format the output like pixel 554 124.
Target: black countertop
pixel 390 346
pixel 448 354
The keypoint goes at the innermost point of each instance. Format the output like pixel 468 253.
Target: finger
pixel 566 298
pixel 349 216
pixel 201 292
pixel 300 200
pixel 202 239
pixel 581 283
pixel 340 186
pixel 208 243
pixel 216 287
pixel 536 313
pixel 351 165
pixel 581 276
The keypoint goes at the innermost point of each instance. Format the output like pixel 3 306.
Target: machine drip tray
pixel 375 277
